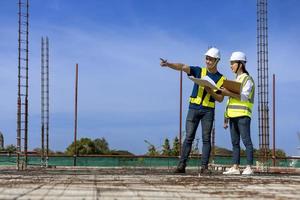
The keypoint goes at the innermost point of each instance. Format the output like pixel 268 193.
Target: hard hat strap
pixel 216 62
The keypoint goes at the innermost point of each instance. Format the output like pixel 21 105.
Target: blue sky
pixel 124 95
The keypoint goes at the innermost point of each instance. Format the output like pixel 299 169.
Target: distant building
pixel 1 141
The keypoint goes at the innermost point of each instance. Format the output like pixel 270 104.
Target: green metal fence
pixel 133 161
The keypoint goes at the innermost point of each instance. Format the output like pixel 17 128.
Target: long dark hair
pixel 244 68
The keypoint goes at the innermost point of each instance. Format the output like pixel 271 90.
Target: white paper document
pixel 204 81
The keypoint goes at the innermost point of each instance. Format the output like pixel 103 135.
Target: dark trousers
pixel 206 116
pixel 240 128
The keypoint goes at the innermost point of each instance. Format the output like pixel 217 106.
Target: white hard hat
pixel 238 56
pixel 213 52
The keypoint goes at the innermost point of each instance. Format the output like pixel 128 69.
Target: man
pixel 201 107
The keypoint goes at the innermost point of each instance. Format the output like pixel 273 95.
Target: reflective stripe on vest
pixel 238 108
pixel 197 100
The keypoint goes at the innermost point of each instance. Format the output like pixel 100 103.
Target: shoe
pixel 248 171
pixel 232 170
pixel 205 171
pixel 180 169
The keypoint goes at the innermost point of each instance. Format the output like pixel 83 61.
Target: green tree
pixel 175 149
pixel 222 151
pixel 59 153
pixel 101 146
pixel 121 152
pixel 243 152
pixel 39 150
pixel 166 151
pixel 278 153
pixel 10 148
pixel 84 146
pixel 152 151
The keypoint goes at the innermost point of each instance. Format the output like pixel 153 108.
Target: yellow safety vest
pixel 197 100
pixel 238 108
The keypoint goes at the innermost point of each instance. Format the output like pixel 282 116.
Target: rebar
pixel 180 113
pixel 42 103
pixel 274 141
pixel 22 99
pixel 44 100
pixel 75 122
pixel 47 100
pixel 262 69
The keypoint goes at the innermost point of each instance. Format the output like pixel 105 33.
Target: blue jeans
pixel 240 127
pixel 206 116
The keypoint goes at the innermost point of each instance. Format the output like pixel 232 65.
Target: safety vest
pixel 238 108
pixel 206 99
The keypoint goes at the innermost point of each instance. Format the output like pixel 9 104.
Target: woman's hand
pixel 209 90
pixel 224 91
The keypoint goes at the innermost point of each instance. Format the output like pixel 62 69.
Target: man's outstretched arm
pixel 175 66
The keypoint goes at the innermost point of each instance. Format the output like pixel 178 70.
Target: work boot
pixel 205 171
pixel 180 169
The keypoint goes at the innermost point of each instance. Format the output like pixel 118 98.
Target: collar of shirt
pixel 238 76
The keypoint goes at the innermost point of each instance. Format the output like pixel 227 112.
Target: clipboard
pixel 233 86
pixel 205 81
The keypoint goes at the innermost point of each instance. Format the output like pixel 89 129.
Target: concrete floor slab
pixel 121 184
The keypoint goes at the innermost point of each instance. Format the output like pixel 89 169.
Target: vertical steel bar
pixel 263 92
pixel 180 114
pixel 75 128
pixel 19 93
pixel 263 78
pixel 22 107
pixel 26 94
pixel 42 103
pixel 267 77
pixel 47 100
pixel 274 104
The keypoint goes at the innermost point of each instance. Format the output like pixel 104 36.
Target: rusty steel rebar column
pixel 262 69
pixel 19 91
pixel 44 101
pixel 22 100
pixel 180 114
pixel 47 100
pixel 274 141
pixel 75 124
pixel 26 93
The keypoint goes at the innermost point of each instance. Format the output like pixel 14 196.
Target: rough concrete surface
pixel 137 183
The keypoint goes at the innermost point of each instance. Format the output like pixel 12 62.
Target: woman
pixel 238 113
